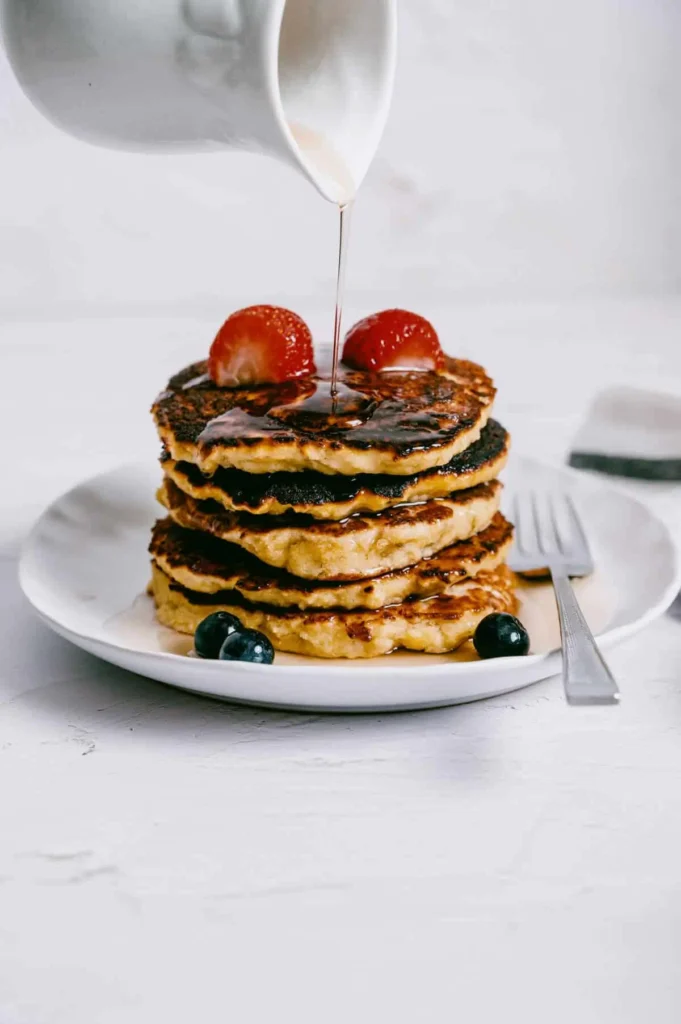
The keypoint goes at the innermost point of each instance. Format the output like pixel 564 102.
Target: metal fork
pixel 550 537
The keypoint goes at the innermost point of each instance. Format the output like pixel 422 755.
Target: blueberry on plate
pixel 500 635
pixel 247 645
pixel 211 634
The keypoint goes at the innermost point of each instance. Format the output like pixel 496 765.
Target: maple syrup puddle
pixel 338 408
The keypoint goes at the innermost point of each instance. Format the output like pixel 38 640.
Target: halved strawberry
pixel 261 345
pixel 391 339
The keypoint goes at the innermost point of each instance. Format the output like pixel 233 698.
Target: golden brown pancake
pixel 434 625
pixel 204 564
pixel 393 422
pixel 361 546
pixel 338 496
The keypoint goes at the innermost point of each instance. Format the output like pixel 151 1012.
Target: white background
pixel 533 151
pixel 165 858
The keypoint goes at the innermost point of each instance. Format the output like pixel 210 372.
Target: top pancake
pixel 394 422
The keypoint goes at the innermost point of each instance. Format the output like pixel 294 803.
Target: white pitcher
pixel 308 81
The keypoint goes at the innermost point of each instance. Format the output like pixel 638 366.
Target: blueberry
pixel 500 635
pixel 247 645
pixel 211 634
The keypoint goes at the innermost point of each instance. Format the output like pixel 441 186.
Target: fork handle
pixel 586 677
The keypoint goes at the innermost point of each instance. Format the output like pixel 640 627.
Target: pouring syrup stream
pixel 329 167
pixel 344 227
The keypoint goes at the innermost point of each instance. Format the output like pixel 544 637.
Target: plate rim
pixel 607 638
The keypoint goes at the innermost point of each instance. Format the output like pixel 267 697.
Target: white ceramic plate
pixel 85 567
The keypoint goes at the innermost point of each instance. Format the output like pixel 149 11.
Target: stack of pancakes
pixel 340 529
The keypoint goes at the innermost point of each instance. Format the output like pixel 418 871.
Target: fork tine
pixel 558 538
pixel 536 516
pixel 526 526
pixel 548 506
pixel 577 528
pixel 520 536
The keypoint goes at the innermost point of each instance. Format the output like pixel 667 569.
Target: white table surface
pixel 168 858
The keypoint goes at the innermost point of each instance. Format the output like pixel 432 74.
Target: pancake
pixel 336 497
pixel 361 546
pixel 206 565
pixel 435 625
pixel 395 422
